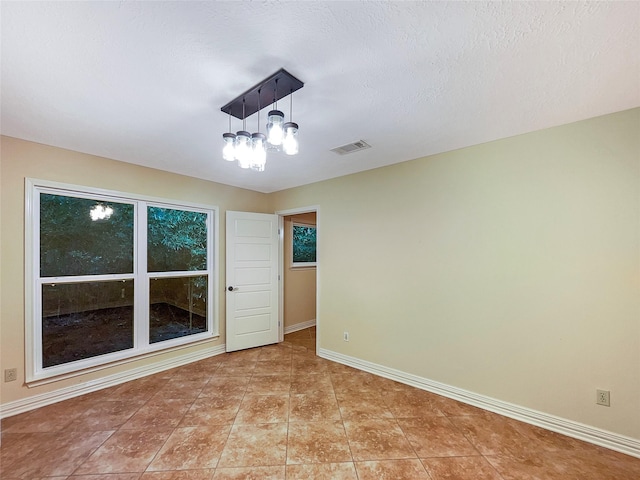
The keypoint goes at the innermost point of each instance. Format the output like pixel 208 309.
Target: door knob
pixel 231 289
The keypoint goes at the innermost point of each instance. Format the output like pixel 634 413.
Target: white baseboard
pixel 299 326
pixel 36 401
pixel 603 438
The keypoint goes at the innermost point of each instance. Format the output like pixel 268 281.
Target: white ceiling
pixel 143 82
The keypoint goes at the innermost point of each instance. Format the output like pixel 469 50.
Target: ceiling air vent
pixel 351 147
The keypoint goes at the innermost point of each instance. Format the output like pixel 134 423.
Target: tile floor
pixel 280 412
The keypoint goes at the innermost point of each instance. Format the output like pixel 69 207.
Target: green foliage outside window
pixel 304 244
pixel 71 243
pixel 176 240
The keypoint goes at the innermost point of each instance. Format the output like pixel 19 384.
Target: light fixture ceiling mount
pixel 268 91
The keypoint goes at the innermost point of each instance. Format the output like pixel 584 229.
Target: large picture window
pixel 112 276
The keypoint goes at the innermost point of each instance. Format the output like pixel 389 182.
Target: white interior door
pixel 252 280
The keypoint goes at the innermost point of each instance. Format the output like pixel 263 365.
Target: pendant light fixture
pixel 259 159
pixel 275 132
pixel 243 149
pixel 275 121
pixel 258 146
pixel 290 141
pixel 250 151
pixel 229 149
pixel 243 144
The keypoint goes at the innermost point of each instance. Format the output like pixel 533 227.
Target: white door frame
pixel 285 213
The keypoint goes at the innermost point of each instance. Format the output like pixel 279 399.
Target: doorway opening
pixel 298 273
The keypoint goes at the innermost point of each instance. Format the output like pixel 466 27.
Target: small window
pixel 303 251
pixel 112 276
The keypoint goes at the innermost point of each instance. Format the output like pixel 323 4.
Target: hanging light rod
pixel 268 91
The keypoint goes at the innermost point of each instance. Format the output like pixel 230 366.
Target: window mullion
pixel 86 278
pixel 33 335
pixel 211 292
pixel 142 279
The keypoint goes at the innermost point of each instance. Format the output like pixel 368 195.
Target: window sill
pixel 38 381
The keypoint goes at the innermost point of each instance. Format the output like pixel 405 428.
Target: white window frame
pixel 35 373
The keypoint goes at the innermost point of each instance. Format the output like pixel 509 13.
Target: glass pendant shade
pixel 275 132
pixel 243 149
pixel 290 142
pixel 229 149
pixel 258 151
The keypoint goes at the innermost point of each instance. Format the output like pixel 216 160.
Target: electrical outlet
pixel 603 398
pixel 10 374
pixel 346 336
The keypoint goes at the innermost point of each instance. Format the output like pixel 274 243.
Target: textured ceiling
pixel 143 82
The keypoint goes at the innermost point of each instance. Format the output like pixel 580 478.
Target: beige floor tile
pixel 204 474
pixel 105 415
pixel 461 468
pixel 453 408
pixel 275 352
pixel 362 405
pixel 308 344
pixel 546 440
pixel 255 445
pixel 560 465
pixel 492 434
pixel 271 384
pixel 125 451
pixel 106 476
pixel 338 369
pixel 313 407
pixel 257 409
pixel 192 448
pixel 137 390
pixel 377 439
pixel 180 388
pixel 318 442
pixel 15 447
pixel 248 355
pixel 56 478
pixel 322 471
pixel 301 349
pixel 311 382
pixel 414 403
pixel 225 385
pixel 308 363
pixel 354 382
pixel 220 410
pixel 436 437
pixel 391 470
pixel 273 367
pixel 198 370
pixel 51 418
pixel 61 455
pixel 386 385
pixel 158 413
pixel 236 369
pixel 251 473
